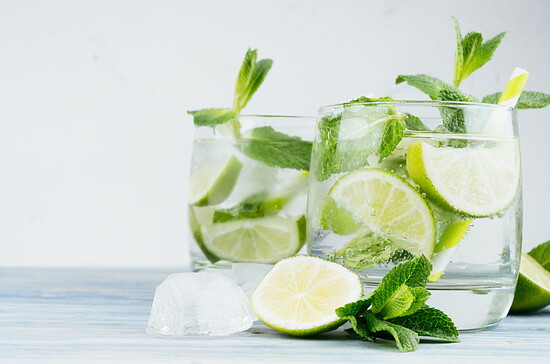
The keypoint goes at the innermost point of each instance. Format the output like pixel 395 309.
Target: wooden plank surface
pixel 80 315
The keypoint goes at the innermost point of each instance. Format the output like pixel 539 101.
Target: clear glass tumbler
pixel 394 180
pixel 248 190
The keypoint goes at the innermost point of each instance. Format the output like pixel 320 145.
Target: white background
pixel 94 135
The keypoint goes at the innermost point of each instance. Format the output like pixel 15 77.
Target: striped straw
pixel 509 97
pixel 514 87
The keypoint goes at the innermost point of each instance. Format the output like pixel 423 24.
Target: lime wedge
pixel 451 236
pixel 300 294
pixel 260 240
pixel 339 220
pixel 389 207
pixel 476 182
pixel 199 216
pixel 213 183
pixel 533 287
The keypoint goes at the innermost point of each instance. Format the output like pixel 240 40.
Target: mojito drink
pixel 394 180
pixel 247 197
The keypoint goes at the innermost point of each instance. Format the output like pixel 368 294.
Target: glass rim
pixel 333 107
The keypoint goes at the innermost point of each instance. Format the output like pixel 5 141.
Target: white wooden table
pixel 80 316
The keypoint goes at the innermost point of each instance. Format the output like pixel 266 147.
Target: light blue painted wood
pixel 79 316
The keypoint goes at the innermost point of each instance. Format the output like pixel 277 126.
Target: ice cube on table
pixel 199 303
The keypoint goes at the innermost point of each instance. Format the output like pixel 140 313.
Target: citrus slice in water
pixel 300 294
pixel 259 240
pixel 212 183
pixel 339 220
pixel 474 181
pixel 533 287
pixel 199 216
pixel 389 206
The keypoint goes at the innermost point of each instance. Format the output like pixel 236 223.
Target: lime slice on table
pixel 533 287
pixel 259 240
pixel 213 182
pixel 300 294
pixel 475 181
pixel 389 207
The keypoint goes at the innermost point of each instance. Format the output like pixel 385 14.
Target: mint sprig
pixel 251 75
pixel 471 54
pixel 397 309
pixel 263 144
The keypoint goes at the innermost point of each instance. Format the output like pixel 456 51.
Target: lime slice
pixel 300 294
pixel 389 206
pixel 476 182
pixel 199 216
pixel 451 236
pixel 213 183
pixel 260 240
pixel 336 219
pixel 533 287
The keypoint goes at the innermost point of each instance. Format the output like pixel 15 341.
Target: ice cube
pixel 199 303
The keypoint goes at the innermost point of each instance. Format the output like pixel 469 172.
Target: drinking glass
pixel 393 180
pixel 248 190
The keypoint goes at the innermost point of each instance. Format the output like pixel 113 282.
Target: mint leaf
pixel 353 309
pixel 431 86
pixel 212 117
pixel 398 305
pixel 472 53
pixel 459 55
pixel 470 45
pixel 254 206
pixel 420 295
pixel 243 79
pixel 413 273
pixel 541 254
pixel 414 123
pixel 481 53
pixel 352 312
pixel 277 149
pixel 251 76
pixel 527 100
pixel 406 339
pixel 360 329
pixel 391 136
pixel 429 321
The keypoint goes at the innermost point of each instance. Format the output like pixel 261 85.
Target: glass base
pixel 198 265
pixel 471 309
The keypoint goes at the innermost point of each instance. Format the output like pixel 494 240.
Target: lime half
pixel 474 181
pixel 533 287
pixel 300 294
pixel 389 206
pixel 259 240
pixel 212 183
